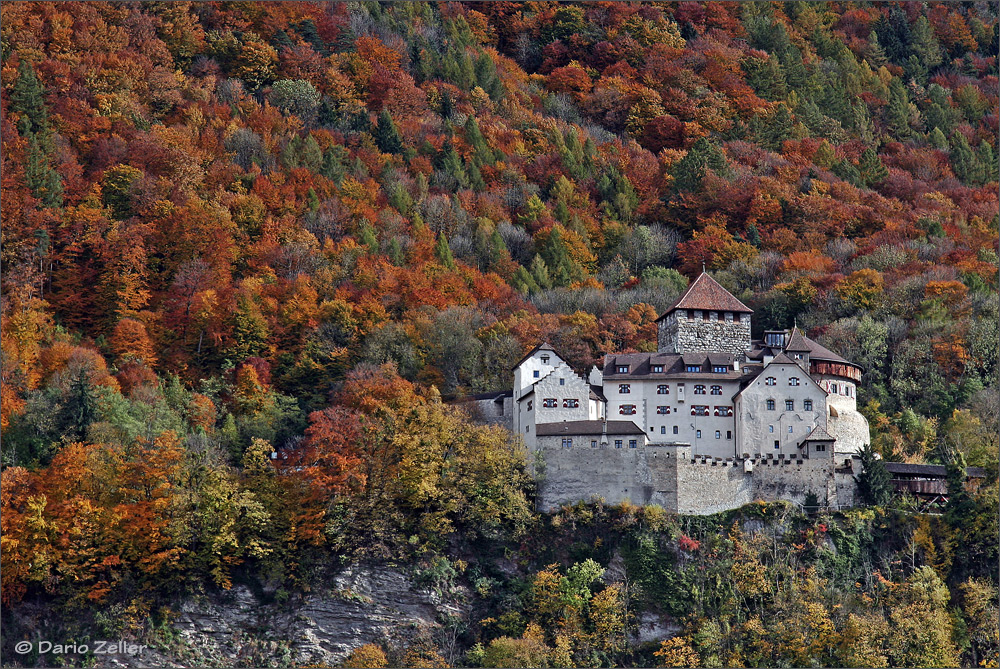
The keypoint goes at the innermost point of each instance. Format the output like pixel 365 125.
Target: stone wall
pixel 668 475
pixel 679 334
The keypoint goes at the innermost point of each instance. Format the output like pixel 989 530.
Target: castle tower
pixel 706 317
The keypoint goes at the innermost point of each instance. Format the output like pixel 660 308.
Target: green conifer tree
pixel 874 483
pixel 387 137
pixel 443 252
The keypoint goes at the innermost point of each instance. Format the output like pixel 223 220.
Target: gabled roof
pixel 781 359
pixel 817 352
pixel 819 434
pixel 707 294
pixel 544 346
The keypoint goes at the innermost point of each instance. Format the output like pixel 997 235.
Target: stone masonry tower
pixel 706 317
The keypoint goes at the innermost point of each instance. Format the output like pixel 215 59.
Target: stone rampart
pixel 681 483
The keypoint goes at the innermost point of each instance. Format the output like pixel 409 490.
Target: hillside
pixel 233 230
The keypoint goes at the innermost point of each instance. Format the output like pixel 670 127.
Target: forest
pixel 253 250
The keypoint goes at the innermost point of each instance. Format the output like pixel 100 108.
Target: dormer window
pixel 794 381
pixel 693 368
pixel 774 339
pixel 720 369
pixel 657 369
pixel 623 369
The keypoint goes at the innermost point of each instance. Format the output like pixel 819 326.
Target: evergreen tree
pixel 898 111
pixel 451 163
pixel 753 235
pixel 310 155
pixel 871 168
pixel 368 238
pixel 523 282
pixel 960 506
pixel 964 161
pixel 691 169
pixel 987 158
pixel 481 150
pixel 443 252
pixel 924 45
pixel 540 272
pixel 874 483
pixel 80 409
pixel 27 98
pixel 938 140
pixel 387 137
pixel 43 181
pixel 557 257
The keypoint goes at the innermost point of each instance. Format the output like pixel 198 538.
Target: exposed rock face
pixel 361 605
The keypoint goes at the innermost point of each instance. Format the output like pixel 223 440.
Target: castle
pixel 712 420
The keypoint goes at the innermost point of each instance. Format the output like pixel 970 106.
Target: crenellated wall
pixel 668 475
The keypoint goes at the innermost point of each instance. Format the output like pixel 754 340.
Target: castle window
pixel 729 317
pixel 791 429
pixel 627 410
pixel 770 405
pixel 618 443
pixel 723 411
pixel 807 405
pixel 699 410
pixel 675 429
pixel 529 405
pixel 663 429
pixel 729 434
pixel 662 389
pixel 693 368
pixel 789 405
pixel 624 388
pixel 775 339
pixel 663 410
pixel 593 443
pixel 571 404
pixel 720 369
pixel 699 390
pixel 704 315
pixel 697 434
pixel 623 369
pixel 718 434
pixel 545 359
pixel 770 381
pixel 794 381
pixel 549 402
pixel 820 447
pixel 833 388
pixel 690 313
pixel 535 373
pixel 736 318
pixel 632 443
pixel 562 382
pixel 657 369
pixel 567 442
pixel 777 444
pixel 716 390
pixel 770 428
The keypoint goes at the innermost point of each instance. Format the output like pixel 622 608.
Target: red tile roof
pixel 707 294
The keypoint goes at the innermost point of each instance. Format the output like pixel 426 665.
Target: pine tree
pixel 987 158
pixel 874 483
pixel 451 163
pixel 898 112
pixel 871 168
pixel 310 155
pixel 924 45
pixel 523 282
pixel 691 169
pixel 964 161
pixel 540 272
pixel 368 237
pixel 80 409
pixel 481 150
pixel 443 252
pixel 938 140
pixel 387 136
pixel 27 98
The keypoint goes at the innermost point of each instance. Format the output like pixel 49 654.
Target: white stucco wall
pixel 759 427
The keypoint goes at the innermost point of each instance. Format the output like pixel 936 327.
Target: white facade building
pixel 708 386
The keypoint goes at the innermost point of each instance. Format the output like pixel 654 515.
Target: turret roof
pixel 707 294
